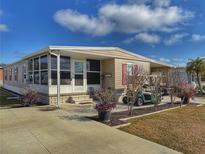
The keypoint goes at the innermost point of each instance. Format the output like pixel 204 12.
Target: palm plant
pixel 197 67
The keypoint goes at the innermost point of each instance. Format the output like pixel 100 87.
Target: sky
pixel 171 31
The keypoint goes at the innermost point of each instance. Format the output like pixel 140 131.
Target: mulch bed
pixel 116 116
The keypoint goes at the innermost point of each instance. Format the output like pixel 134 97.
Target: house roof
pixel 106 52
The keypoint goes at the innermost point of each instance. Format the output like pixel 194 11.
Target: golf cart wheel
pixel 139 102
pixel 124 100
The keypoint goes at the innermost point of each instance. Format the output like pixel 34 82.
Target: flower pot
pixel 104 115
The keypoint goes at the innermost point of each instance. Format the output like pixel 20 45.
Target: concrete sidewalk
pixel 43 130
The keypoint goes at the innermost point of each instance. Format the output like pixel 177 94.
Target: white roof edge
pixel 29 55
pixel 80 47
pixel 51 47
pixel 148 59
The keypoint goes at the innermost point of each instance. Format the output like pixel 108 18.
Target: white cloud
pixel 178 59
pixel 140 18
pixel 147 38
pixel 197 38
pixel 125 18
pixel 81 22
pixel 3 28
pixel 175 39
pixel 164 60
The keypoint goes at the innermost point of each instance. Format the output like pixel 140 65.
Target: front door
pixel 79 76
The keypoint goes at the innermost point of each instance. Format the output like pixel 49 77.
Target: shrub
pixel 30 97
pixel 185 90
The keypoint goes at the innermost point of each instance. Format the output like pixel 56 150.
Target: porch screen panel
pixel 36 71
pixel 30 71
pixel 124 74
pixel 64 70
pixel 44 69
pixel 93 71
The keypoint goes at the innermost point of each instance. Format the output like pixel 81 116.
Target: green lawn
pixel 182 129
pixel 7 103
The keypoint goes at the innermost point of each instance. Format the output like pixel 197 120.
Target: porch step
pixel 78 97
pixel 86 101
pixel 81 99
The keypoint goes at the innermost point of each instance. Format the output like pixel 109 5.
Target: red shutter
pixel 124 74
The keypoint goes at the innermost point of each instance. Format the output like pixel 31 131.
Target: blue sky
pixel 168 30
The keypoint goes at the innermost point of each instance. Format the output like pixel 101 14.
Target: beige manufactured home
pixel 81 69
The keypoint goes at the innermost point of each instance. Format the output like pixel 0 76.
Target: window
pixel 36 71
pixel 65 77
pixel 93 71
pixel 44 62
pixel 129 72
pixel 30 71
pixel 30 65
pixel 36 77
pixel 44 77
pixel 5 75
pixel 36 64
pixel 129 69
pixel 93 78
pixel 78 67
pixel 93 65
pixel 64 63
pixel 16 73
pixel 10 74
pixel 23 73
pixel 64 70
pixel 44 70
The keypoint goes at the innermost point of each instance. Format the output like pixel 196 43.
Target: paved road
pixel 39 130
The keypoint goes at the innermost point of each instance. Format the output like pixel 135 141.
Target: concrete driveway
pixel 43 130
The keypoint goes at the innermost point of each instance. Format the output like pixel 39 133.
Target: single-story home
pixel 81 69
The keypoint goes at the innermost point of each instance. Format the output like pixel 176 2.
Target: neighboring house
pixel 1 76
pixel 81 69
pixel 191 78
pixel 183 74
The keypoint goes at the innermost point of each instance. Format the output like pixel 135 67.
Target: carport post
pixel 58 77
pixel 58 80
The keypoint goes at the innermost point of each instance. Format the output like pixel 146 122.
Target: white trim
pixel 86 48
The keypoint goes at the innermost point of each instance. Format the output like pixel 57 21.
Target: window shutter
pixel 124 74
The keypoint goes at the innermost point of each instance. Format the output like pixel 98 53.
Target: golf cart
pixel 142 97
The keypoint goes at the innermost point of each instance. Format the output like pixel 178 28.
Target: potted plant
pixel 185 91
pixel 106 98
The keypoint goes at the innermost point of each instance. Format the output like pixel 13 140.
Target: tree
pixel 155 82
pixel 174 79
pixel 135 82
pixel 196 67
